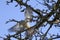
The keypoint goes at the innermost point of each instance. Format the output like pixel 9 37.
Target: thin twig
pixel 47 32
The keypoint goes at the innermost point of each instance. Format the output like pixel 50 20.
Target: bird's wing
pixel 15 28
pixel 28 13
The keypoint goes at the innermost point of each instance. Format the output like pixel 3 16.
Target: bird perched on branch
pixel 28 14
pixel 20 26
pixel 54 21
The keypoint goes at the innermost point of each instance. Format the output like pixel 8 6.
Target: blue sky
pixel 6 13
pixel 11 12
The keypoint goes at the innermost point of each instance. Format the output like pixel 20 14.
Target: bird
pixel 30 32
pixel 19 26
pixel 28 14
pixel 56 21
